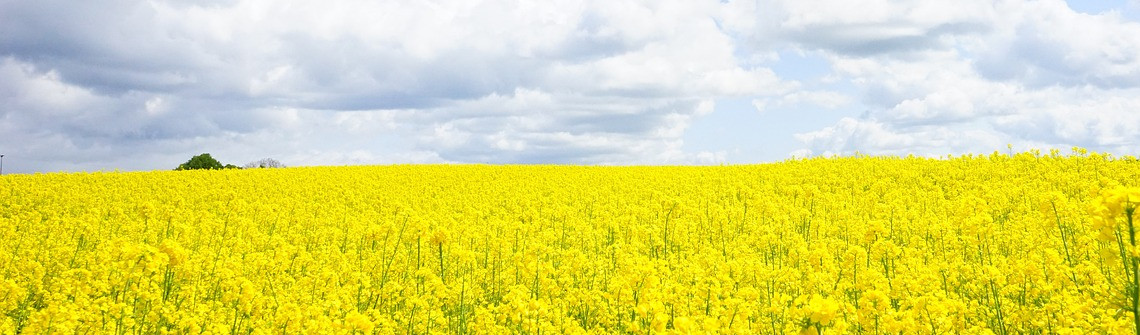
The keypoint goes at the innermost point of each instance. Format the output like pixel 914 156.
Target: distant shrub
pixel 264 163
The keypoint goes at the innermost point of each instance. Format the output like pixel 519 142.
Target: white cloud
pixel 1043 43
pixel 941 105
pixel 799 154
pixel 849 135
pixel 760 104
pixel 1044 76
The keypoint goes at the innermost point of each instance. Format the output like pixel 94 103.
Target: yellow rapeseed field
pixel 1029 244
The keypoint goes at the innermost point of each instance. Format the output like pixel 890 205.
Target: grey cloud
pixel 361 75
pixel 637 123
pixel 861 29
pixel 869 39
pixel 111 47
pixel 536 153
pixel 599 130
pixel 139 85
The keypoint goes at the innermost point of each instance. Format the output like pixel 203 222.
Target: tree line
pixel 207 162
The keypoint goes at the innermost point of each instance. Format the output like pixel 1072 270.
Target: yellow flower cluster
pixel 1029 243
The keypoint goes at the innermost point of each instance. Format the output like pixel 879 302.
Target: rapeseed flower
pixel 1021 243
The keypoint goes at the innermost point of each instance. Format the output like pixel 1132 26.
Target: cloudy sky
pixel 142 85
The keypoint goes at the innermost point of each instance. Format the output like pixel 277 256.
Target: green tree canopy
pixel 201 162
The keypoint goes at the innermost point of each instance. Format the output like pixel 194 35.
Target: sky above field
pixel 142 85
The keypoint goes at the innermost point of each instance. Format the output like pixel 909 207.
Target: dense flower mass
pixel 1029 243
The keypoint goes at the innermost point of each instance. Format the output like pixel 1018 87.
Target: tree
pixel 201 162
pixel 264 163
